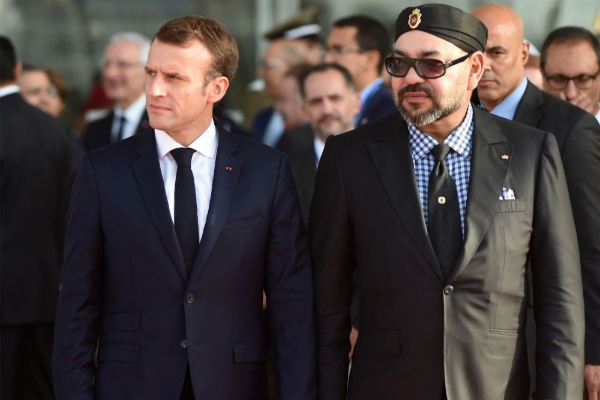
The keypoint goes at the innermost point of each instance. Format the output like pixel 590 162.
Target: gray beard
pixel 439 110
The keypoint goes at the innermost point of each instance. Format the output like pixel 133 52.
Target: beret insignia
pixel 414 19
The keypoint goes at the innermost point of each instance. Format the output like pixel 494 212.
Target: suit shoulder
pixel 254 147
pixel 368 132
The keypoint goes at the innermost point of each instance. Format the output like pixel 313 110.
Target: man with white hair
pixel 123 79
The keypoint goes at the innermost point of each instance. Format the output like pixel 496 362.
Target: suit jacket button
pixel 448 290
pixel 183 344
pixel 189 298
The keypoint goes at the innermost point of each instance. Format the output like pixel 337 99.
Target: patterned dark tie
pixel 186 214
pixel 444 214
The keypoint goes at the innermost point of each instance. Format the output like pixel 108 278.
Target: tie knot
pixel 183 156
pixel 440 152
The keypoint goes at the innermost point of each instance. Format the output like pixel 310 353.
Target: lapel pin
pixel 505 157
pixel 229 168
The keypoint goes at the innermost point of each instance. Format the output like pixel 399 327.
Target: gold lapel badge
pixel 442 200
pixel 414 19
pixel 505 157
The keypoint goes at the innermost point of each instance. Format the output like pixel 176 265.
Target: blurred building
pixel 70 35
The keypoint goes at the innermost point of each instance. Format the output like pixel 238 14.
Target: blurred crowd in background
pixel 282 107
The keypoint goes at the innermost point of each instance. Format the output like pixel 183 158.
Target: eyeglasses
pixel 582 81
pixel 340 50
pixel 427 68
pixel 50 89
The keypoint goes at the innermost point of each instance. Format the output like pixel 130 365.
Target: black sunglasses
pixel 427 68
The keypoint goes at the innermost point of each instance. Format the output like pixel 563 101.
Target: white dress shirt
pixel 133 116
pixel 319 146
pixel 203 168
pixel 9 89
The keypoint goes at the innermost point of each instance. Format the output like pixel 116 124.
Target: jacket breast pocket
pixel 377 344
pixel 122 321
pixel 245 222
pixel 511 205
pixel 250 352
pixel 124 352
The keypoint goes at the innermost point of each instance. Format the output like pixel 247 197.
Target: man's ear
pixel 373 58
pixel 525 53
pixel 18 70
pixel 477 62
pixel 217 88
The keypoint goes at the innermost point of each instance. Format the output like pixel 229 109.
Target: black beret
pixel 447 22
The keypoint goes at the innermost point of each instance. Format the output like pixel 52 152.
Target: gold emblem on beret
pixel 414 19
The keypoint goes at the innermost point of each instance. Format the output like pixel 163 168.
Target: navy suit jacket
pixel 126 286
pixel 98 133
pixel 380 104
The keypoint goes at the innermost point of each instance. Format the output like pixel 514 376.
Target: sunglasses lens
pixel 397 66
pixel 428 68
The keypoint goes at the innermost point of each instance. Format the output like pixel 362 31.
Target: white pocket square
pixel 507 194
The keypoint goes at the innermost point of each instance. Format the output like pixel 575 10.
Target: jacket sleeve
pixel 557 290
pixel 581 158
pixel 79 305
pixel 332 248
pixel 289 291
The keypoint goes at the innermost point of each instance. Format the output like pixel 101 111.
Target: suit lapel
pixel 227 170
pixel 488 172
pixel 393 160
pixel 527 112
pixel 149 177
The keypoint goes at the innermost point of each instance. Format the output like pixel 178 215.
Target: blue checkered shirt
pixel 458 161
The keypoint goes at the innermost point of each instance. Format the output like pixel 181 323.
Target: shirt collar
pixel 319 147
pixel 368 91
pixel 134 112
pixel 459 140
pixel 10 89
pixel 206 144
pixel 598 115
pixel 508 106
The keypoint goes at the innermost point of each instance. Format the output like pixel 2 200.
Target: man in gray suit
pixel 439 208
pixel 505 92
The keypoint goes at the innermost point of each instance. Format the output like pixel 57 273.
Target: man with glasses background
pixel 360 44
pixel 571 67
pixel 439 208
pixel 505 92
pixel 123 78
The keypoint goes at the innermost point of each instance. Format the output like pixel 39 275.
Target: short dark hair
pixel 8 61
pixel 323 68
pixel 371 35
pixel 569 34
pixel 221 45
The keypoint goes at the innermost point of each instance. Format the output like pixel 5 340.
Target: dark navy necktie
pixel 444 213
pixel 186 214
pixel 122 122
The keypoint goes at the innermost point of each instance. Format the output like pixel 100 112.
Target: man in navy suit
pixel 123 82
pixel 360 44
pixel 172 290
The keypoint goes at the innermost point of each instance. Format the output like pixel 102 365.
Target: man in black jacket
pixel 506 92
pixel 123 78
pixel 36 159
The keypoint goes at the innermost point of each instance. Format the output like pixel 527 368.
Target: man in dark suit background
pixel 123 82
pixel 570 63
pixel 330 103
pixel 504 91
pixel 36 158
pixel 360 43
pixel 439 208
pixel 173 235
